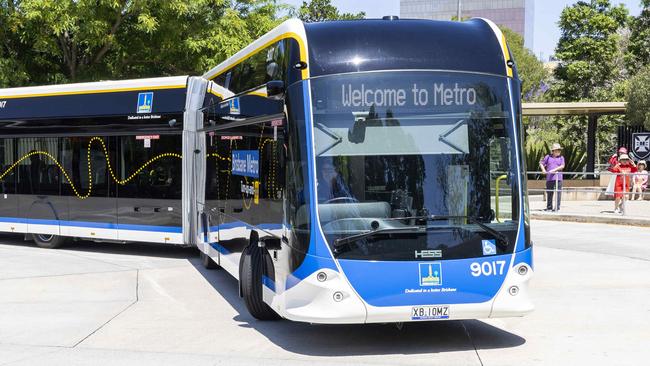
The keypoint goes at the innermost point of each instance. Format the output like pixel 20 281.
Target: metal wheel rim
pixel 45 237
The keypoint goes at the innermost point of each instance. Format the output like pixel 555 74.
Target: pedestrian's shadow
pixel 364 339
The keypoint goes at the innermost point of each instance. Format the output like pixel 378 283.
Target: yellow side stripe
pixel 98 91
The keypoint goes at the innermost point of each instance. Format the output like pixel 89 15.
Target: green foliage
pixel 638 99
pixel 588 49
pixel 58 41
pixel 575 158
pixel 531 70
pixel 534 153
pixel 638 49
pixel 321 10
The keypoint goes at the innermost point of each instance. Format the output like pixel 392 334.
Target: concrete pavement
pixel 109 304
pixel 637 213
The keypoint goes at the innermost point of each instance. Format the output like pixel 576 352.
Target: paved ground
pixel 111 304
pixel 637 212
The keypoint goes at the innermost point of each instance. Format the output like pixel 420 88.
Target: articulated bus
pixel 343 172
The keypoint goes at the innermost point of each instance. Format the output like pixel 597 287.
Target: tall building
pixel 514 14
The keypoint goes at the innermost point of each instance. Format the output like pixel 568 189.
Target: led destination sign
pixel 438 94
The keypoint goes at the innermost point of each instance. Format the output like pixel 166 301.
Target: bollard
pixel 555 200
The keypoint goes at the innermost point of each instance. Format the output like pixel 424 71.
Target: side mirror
pixel 357 133
pixel 275 89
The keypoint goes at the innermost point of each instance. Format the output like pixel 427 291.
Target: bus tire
pixel 208 262
pixel 251 283
pixel 48 241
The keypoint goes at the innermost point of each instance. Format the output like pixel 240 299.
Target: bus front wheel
pixel 253 264
pixel 48 241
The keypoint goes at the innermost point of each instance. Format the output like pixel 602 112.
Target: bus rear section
pixel 100 161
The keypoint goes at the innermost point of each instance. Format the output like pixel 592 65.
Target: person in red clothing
pixel 624 167
pixel 613 160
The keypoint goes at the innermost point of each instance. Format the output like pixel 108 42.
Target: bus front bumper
pixel 333 301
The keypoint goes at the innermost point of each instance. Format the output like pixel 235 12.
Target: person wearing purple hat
pixel 552 165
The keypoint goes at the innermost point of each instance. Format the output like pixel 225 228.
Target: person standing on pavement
pixel 640 180
pixel 624 168
pixel 613 160
pixel 552 165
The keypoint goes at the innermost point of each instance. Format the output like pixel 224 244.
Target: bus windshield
pixel 415 165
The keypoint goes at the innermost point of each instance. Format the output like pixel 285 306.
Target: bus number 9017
pixel 491 268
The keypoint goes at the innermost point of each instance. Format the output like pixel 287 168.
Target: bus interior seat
pixel 336 211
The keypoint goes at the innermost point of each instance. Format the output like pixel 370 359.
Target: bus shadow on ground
pixel 131 249
pixel 363 339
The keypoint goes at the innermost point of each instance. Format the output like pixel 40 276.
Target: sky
pixel 547 13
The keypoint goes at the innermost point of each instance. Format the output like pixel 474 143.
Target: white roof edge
pixel 96 86
pixel 293 25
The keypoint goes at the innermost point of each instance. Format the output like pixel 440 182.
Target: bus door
pixel 245 182
pixel 8 197
pixel 39 185
pixel 92 211
pixel 150 188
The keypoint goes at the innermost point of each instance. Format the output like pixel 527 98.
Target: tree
pixel 638 99
pixel 532 73
pixel 638 50
pixel 588 49
pixel 321 10
pixel 58 41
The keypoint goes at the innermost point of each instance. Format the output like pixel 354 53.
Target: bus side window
pixel 8 182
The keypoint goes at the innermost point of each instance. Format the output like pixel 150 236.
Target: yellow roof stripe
pixel 506 54
pixel 301 45
pixel 98 91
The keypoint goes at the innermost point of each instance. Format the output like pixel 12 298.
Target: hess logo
pixel 428 253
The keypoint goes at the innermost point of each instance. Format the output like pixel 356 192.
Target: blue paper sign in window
pixel 246 163
pixel 145 102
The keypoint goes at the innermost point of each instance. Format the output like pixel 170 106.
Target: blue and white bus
pixel 343 172
pixel 367 171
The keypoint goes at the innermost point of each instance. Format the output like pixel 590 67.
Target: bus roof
pixel 115 97
pixel 337 47
pixel 332 47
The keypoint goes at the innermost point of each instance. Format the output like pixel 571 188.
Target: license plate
pixel 430 312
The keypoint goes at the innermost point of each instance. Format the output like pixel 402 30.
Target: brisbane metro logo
pixel 145 102
pixel 430 274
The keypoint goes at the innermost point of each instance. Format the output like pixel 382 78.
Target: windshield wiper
pixel 392 230
pixel 474 220
pixel 502 241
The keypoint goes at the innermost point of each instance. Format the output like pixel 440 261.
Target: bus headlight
pixel 514 290
pixel 321 276
pixel 522 270
pixel 338 296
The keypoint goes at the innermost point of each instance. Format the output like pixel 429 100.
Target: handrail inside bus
pixel 496 195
